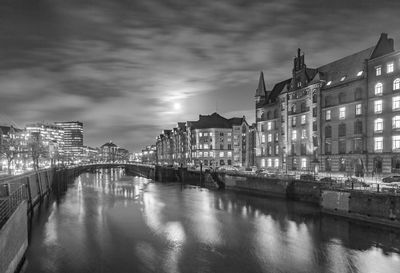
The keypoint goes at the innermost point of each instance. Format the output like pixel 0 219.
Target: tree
pixel 8 147
pixel 36 149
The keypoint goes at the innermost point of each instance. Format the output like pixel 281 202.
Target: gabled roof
pixel 215 121
pixel 277 90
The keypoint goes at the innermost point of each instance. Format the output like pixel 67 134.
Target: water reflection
pixel 109 222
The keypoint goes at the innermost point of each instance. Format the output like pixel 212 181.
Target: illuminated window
pixel 200 134
pixel 269 162
pixel 206 147
pixel 269 137
pixel 396 142
pixel 358 109
pixel 205 154
pixel 378 89
pixel 396 122
pixel 221 154
pixel 378 70
pixel 329 83
pixel 378 106
pixel 328 115
pixel 389 68
pixel 229 154
pixel 304 163
pixel 262 138
pixel 343 78
pixel 342 112
pixel 359 73
pixel 276 162
pixel 211 133
pixel 378 143
pixel 205 134
pixel 294 121
pixel 211 154
pixel 276 149
pixel 303 134
pixel 263 162
pixel 396 103
pixel 276 136
pixel 294 135
pixel 303 119
pixel 269 125
pixel 396 84
pixel 378 125
pixel 200 154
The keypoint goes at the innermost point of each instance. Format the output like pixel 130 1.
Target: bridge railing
pixel 10 203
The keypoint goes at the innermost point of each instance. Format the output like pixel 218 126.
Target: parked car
pixel 391 179
pixel 308 177
pixel 353 182
pixel 327 180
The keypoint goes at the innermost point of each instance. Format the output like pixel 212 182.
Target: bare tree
pixel 36 149
pixel 8 147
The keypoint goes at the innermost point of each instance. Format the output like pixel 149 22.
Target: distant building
pixel 51 135
pixel 339 117
pixel 73 138
pixel 149 155
pixel 110 152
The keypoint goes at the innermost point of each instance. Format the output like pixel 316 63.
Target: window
pixel 359 73
pixel 276 136
pixel 342 78
pixel 221 146
pixel 378 143
pixel 229 154
pixel 358 93
pixel 269 150
pixel 389 68
pixel 328 101
pixel 358 127
pixel 262 138
pixel 378 125
pixel 378 89
pixel 304 163
pixel 303 119
pixel 328 115
pixel 211 154
pixel 314 112
pixel 328 83
pixel 342 146
pixel 229 134
pixel 342 112
pixel 276 113
pixel 269 137
pixel 276 149
pixel 263 162
pixel 229 146
pixel 396 103
pixel 276 162
pixel 378 70
pixel 358 145
pixel 303 134
pixel 328 147
pixel 200 134
pixel 358 109
pixel 205 154
pixel 303 149
pixel 396 84
pixel 328 131
pixel 294 135
pixel 314 97
pixel 342 130
pixel 378 106
pixel 294 121
pixel 294 108
pixel 205 146
pixel 221 154
pixel 269 162
pixel 303 107
pixel 211 133
pixel 269 125
pixel 205 134
pixel 396 122
pixel 395 142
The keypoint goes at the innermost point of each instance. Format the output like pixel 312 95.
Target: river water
pixel 109 222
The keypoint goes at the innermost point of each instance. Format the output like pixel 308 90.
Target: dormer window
pixel 329 83
pixel 359 73
pixel 342 78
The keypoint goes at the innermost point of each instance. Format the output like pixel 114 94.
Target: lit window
pixel 276 162
pixel 294 121
pixel 303 119
pixel 276 149
pixel 200 154
pixel 229 134
pixel 269 137
pixel 378 70
pixel 205 134
pixel 378 125
pixel 205 154
pixel 205 146
pixel 276 136
pixel 396 122
pixel 329 83
pixel 396 84
pixel 328 115
pixel 358 109
pixel 269 125
pixel 221 154
pixel 378 89
pixel 389 68
pixel 359 73
pixel 396 103
pixel 269 162
pixel 211 134
pixel 304 163
pixel 211 154
pixel 294 135
pixel 229 154
pixel 378 143
pixel 396 142
pixel 200 134
pixel 378 106
pixel 342 112
pixel 303 134
pixel 263 162
pixel 342 78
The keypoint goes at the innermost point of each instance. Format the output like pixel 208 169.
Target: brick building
pixel 339 117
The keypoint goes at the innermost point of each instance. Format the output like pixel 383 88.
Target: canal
pixel 109 222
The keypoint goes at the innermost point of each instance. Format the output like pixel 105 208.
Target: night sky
pixel 130 68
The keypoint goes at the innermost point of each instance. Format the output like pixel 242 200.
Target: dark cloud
pixel 124 67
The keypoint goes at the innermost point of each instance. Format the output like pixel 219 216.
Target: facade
pixel 340 117
pixel 73 138
pixel 51 135
pixel 149 155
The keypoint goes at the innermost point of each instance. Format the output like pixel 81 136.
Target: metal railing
pixel 10 203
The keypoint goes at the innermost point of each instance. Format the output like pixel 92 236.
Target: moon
pixel 177 106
